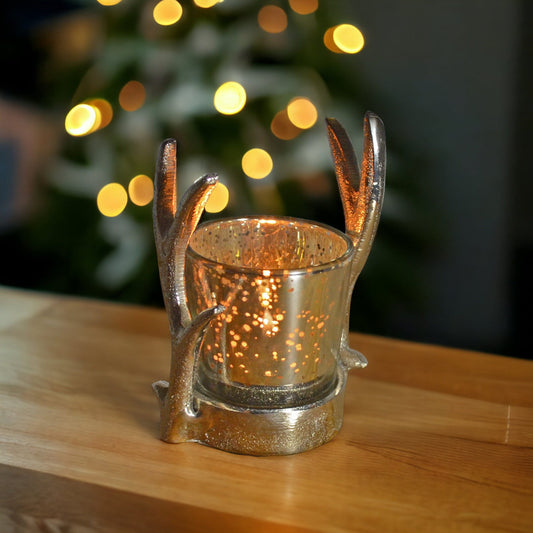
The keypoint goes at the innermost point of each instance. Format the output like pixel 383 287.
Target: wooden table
pixel 434 439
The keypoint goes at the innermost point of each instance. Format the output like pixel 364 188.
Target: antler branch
pixel 173 226
pixel 362 199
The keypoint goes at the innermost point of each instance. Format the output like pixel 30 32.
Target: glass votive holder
pixel 283 283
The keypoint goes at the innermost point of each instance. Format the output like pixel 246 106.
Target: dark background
pixel 452 82
pixel 454 79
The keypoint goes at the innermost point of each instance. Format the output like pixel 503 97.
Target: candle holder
pixel 258 309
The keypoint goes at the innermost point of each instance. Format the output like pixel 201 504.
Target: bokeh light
pixel 167 12
pixel 81 120
pixel 257 163
pixel 206 3
pixel 348 38
pixel 105 109
pixel 302 113
pixel 109 2
pixel 141 190
pixel 304 7
pixel 132 96
pixel 329 42
pixel 229 98
pixel 218 199
pixel 112 199
pixel 282 127
pixel 272 19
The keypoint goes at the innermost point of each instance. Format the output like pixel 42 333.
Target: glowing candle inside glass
pixel 283 282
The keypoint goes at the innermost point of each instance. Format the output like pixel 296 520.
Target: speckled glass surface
pixel 284 283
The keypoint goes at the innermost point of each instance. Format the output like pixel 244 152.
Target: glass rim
pixel 339 261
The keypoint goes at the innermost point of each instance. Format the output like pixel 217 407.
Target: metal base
pixel 267 431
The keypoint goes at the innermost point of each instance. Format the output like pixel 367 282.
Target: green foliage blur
pixel 92 51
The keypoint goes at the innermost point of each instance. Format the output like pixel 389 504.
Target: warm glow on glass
pixel 302 113
pixel 218 199
pixel 109 2
pixel 141 190
pixel 348 38
pixel 167 12
pixel 282 127
pixel 304 7
pixel 132 96
pixel 105 109
pixel 230 98
pixel 272 19
pixel 257 163
pixel 112 199
pixel 81 120
pixel 205 4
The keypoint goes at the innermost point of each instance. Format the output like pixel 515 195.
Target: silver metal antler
pixel 173 227
pixel 191 413
pixel 362 199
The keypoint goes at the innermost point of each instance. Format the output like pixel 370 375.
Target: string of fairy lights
pixel 299 115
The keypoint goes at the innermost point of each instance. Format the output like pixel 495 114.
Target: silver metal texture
pixel 173 226
pixel 362 198
pixel 188 411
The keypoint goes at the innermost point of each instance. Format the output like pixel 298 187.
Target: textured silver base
pixel 266 431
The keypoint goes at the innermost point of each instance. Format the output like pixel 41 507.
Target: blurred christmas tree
pixel 146 70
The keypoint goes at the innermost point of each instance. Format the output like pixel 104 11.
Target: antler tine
pixel 373 177
pixel 173 227
pixel 361 193
pixel 165 200
pixel 347 173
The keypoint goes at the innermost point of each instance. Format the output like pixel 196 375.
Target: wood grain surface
pixel 434 439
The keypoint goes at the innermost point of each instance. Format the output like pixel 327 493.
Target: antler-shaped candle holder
pixel 259 309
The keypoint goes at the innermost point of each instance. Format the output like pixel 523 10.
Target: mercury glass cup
pixel 284 284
